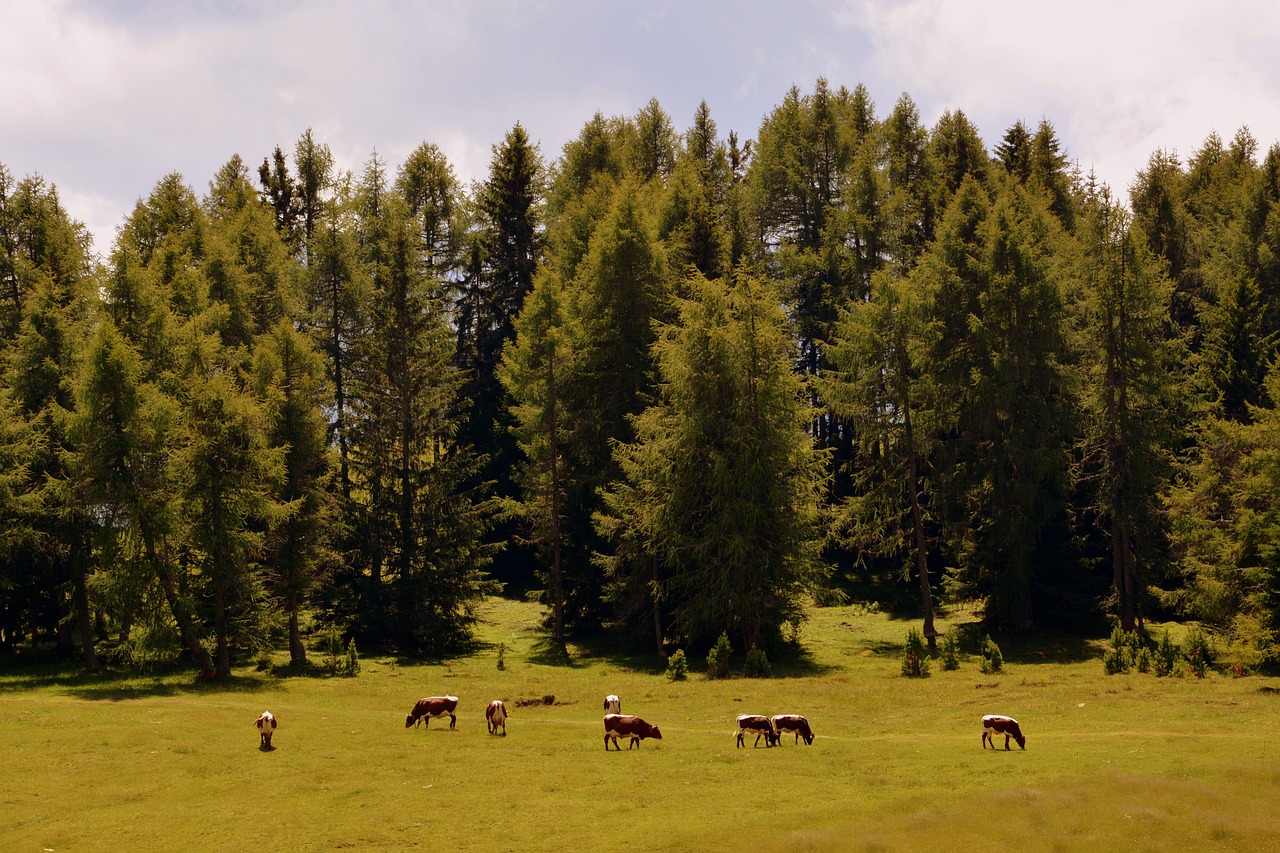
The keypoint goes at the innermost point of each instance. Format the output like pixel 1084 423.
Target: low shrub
pixel 1199 653
pixel 915 663
pixel 757 664
pixel 950 652
pixel 677 666
pixel 1166 656
pixel 718 657
pixel 992 659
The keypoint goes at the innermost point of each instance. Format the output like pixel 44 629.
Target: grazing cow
pixel 793 724
pixel 266 727
pixel 758 725
pixel 621 725
pixel 612 704
pixel 496 715
pixel 434 707
pixel 994 724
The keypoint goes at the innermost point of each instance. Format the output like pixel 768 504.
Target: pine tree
pixel 289 379
pixel 314 164
pixel 221 470
pixel 876 388
pixel 996 364
pixel 507 253
pixel 721 486
pixel 533 369
pixel 1130 401
pixel 421 517
pixel 622 287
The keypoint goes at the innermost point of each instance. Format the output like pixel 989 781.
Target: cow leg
pixel 453 719
pixel 1006 742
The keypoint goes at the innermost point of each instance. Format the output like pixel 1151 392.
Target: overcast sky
pixel 104 99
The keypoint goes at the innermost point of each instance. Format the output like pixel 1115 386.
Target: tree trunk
pixel 657 609
pixel 223 664
pixel 186 625
pixel 917 523
pixel 83 619
pixel 297 651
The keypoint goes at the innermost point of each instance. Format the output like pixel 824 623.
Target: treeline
pixel 672 383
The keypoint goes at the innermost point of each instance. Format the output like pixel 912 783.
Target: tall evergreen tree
pixel 622 287
pixel 876 388
pixel 422 516
pixel 1130 401
pixel 289 379
pixel 722 485
pixel 534 369
pixel 315 182
pixel 996 363
pixel 222 470
pixel 508 252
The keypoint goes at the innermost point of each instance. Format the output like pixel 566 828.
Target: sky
pixel 103 99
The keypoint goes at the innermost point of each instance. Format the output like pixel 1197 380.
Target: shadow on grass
pixel 118 685
pixel 547 652
pixel 797 662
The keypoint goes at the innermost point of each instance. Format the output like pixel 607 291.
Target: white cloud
pixel 105 99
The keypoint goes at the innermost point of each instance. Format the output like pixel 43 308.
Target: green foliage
pixel 950 651
pixel 756 664
pixel 996 361
pixel 677 666
pixel 723 486
pixel 915 660
pixel 1166 656
pixel 1198 652
pixel 351 662
pixel 1123 652
pixel 992 659
pixel 338 659
pixel 718 657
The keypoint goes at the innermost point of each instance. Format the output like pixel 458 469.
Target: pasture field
pixel 1127 762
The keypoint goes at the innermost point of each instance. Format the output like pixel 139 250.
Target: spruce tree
pixel 722 483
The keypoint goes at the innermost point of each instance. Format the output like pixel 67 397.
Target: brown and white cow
pixel 621 725
pixel 495 715
pixel 433 707
pixel 994 724
pixel 266 728
pixel 793 724
pixel 612 704
pixel 758 725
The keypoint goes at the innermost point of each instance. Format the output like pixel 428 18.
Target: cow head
pixel 1022 741
pixel 409 721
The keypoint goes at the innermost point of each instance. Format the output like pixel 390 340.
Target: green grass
pixel 1123 762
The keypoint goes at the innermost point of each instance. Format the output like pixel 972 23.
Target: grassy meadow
pixel 1127 762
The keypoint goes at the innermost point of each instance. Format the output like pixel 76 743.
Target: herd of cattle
pixel 619 725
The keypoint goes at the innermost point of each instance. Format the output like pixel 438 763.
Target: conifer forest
pixel 670 382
